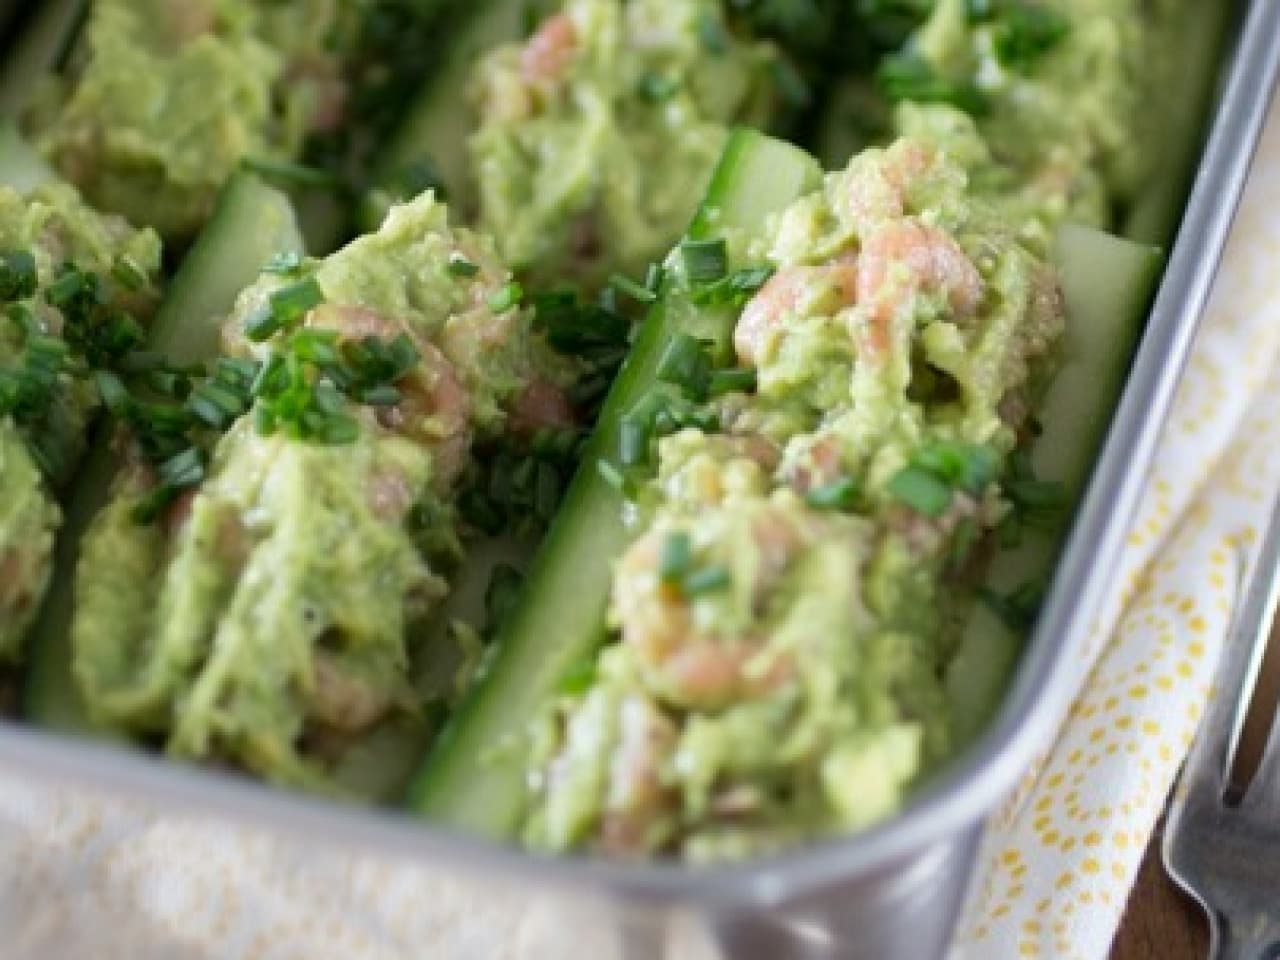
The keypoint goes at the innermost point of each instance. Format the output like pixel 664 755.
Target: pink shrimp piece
pixel 823 465
pixel 878 192
pixel 930 261
pixel 322 78
pixel 541 404
pixel 711 675
pixel 550 50
pixel 788 293
pixel 434 408
pixel 342 700
pixel 390 495
pixel 690 668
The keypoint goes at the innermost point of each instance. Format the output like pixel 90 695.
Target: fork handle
pixel 1229 941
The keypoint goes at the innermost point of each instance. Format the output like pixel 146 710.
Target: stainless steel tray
pixel 892 891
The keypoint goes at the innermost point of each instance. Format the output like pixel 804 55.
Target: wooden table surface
pixel 1161 923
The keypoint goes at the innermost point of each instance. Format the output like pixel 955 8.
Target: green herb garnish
pixel 705 261
pixel 921 490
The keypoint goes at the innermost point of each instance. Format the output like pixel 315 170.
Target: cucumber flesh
pixel 438 126
pixel 474 776
pixel 20 166
pixel 1107 283
pixel 251 223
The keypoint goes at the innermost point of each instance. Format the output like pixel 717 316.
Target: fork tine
pixel 1207 765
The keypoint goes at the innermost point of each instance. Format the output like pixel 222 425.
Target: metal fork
pixel 1222 849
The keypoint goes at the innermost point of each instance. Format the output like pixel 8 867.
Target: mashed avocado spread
pixel 775 671
pixel 269 617
pixel 53 247
pixel 163 100
pixel 597 135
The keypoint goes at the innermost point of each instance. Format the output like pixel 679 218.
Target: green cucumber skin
pixel 250 224
pixel 474 776
pixel 1107 284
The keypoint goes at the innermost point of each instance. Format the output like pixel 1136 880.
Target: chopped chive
pixel 112 391
pixel 128 273
pixel 261 323
pixel 505 297
pixel 264 421
pixel 383 395
pixel 656 87
pixel 149 507
pixel 460 266
pixel 316 346
pixel 298 173
pixel 963 540
pixel 1037 494
pixel 285 263
pixel 294 300
pixel 214 405
pixel 502 594
pixel 337 430
pixel 921 491
pixel 1025 32
pixel 615 478
pixel 711 579
pixel 328 399
pixel 69 285
pixel 633 441
pixel 653 278
pixel 714 37
pixel 839 494
pixel 18 276
pixel 685 364
pixel 637 292
pixel 705 261
pixel 675 558
pixel 186 469
pixel 907 76
pixel 737 380
pixel 966 466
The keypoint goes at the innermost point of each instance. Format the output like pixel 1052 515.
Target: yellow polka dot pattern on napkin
pixel 82 876
pixel 1061 856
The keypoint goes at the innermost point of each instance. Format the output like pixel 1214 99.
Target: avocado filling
pixel 781 623
pixel 270 614
pixel 74 289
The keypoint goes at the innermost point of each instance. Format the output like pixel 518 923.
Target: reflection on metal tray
pixel 894 890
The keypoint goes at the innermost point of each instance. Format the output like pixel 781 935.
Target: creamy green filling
pixel 276 614
pixel 163 100
pixel 47 398
pixel 597 135
pixel 782 620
